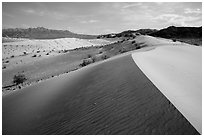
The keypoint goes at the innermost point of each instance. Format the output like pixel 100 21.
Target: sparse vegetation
pixel 64 51
pixel 137 46
pixel 93 59
pixel 104 57
pixel 133 42
pixel 174 40
pixel 4 67
pixel 85 63
pixel 122 50
pixel 34 56
pixel 19 78
pixel 89 55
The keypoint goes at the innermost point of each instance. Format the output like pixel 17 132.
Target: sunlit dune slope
pixel 177 73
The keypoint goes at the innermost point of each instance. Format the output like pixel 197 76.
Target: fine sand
pixel 18 47
pixel 111 97
pixel 177 72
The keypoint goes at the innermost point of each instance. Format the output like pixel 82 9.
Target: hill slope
pixel 129 33
pixel 179 32
pixel 42 33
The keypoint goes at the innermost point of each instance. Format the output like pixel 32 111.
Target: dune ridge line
pixel 177 73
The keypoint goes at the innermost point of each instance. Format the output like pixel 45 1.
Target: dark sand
pixel 113 97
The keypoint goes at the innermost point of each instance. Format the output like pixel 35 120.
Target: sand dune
pixel 29 46
pixel 111 97
pixel 177 72
pixel 146 40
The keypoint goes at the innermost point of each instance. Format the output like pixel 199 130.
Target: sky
pixel 101 18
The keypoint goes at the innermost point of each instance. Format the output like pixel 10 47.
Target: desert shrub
pixel 93 59
pixel 19 78
pixel 104 57
pixel 12 56
pixel 24 53
pixel 4 67
pixel 34 56
pixel 137 46
pixel 133 42
pixel 65 51
pixel 122 40
pixel 89 55
pixel 47 54
pixel 38 51
pixel 174 40
pixel 85 63
pixel 126 35
pixel 100 52
pixel 122 50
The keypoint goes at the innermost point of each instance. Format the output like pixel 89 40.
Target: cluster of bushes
pixel 19 78
pixel 85 62
pixel 91 59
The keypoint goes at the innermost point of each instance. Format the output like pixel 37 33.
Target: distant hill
pixel 179 32
pixel 42 33
pixel 129 33
pixel 141 31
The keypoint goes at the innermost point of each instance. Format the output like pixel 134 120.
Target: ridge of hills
pixel 42 33
pixel 190 35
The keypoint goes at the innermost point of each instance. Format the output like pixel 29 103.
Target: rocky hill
pixel 42 33
pixel 179 32
pixel 129 33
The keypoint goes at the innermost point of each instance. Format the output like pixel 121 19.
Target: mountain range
pixel 44 33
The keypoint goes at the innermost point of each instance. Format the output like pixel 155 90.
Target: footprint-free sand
pixel 111 97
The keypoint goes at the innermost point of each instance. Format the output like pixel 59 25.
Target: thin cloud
pixel 132 5
pixel 29 11
pixel 8 15
pixel 192 11
pixel 175 19
pixel 52 14
pixel 90 21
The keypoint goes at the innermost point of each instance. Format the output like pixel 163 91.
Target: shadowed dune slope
pixel 112 97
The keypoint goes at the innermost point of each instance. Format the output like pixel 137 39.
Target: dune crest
pixel 177 72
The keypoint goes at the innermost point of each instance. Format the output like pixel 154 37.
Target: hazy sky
pixel 100 18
